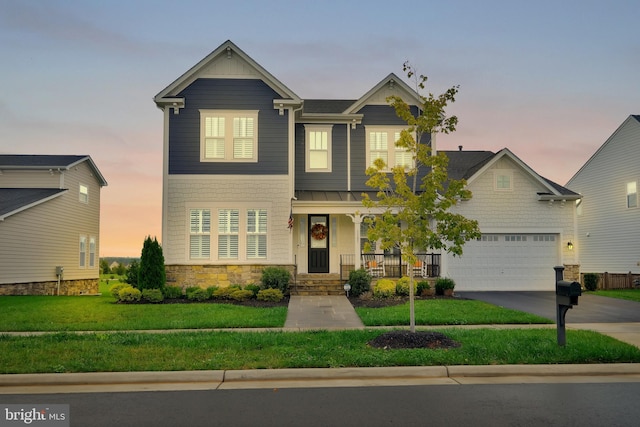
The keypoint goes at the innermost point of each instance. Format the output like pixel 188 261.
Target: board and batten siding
pixel 228 94
pixel 612 244
pixel 36 240
pixel 229 191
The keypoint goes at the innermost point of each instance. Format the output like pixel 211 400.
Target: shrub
pixel 590 281
pixel 198 294
pixel 190 289
pixel 422 286
pixel 402 287
pixel 172 292
pixel 276 278
pixel 211 290
pixel 443 283
pixel 151 274
pixel 115 289
pixel 132 273
pixel 152 295
pixel 129 294
pixel 253 288
pixel 241 295
pixel 225 293
pixel 384 288
pixel 270 295
pixel 360 281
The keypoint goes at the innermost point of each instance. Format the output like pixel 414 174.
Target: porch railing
pixel 394 265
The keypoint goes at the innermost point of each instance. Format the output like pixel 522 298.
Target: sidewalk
pixel 333 313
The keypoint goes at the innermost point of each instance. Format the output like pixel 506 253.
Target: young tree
pixel 104 267
pixel 151 274
pixel 416 216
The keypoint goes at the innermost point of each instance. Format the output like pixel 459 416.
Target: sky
pixel 550 80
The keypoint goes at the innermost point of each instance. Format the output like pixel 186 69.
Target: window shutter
pixel 243 137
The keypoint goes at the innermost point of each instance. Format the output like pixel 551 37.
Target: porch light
pixel 570 245
pixel 347 288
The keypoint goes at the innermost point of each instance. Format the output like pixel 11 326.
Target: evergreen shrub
pixel 360 281
pixel 276 278
pixel 270 295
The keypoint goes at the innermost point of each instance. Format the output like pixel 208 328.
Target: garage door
pixel 507 262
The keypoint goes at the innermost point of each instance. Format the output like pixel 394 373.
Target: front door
pixel 318 243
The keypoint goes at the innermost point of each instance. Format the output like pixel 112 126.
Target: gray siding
pixel 336 180
pixel 228 94
pixel 33 242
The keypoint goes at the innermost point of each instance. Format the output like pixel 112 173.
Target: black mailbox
pixel 567 294
pixel 570 290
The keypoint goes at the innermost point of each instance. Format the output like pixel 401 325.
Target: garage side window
pixel 632 195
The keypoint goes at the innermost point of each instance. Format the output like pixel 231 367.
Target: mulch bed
pixel 406 339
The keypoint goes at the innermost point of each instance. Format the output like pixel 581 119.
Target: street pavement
pixel 308 313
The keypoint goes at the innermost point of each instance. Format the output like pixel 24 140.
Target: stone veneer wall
pixel 216 275
pixel 67 287
pixel 572 272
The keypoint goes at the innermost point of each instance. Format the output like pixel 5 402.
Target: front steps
pixel 317 284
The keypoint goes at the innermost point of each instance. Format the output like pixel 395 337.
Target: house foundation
pixel 67 287
pixel 222 276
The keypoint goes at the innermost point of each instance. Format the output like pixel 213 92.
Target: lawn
pixel 122 352
pixel 628 294
pixel 446 312
pixel 100 313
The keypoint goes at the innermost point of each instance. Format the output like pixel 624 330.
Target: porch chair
pixel 419 267
pixel 374 265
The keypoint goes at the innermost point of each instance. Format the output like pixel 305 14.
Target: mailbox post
pixel 567 294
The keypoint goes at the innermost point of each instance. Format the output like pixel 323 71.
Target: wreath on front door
pixel 319 231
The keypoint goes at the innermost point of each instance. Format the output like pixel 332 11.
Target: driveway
pixel 590 308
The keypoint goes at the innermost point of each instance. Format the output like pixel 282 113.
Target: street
pixel 583 404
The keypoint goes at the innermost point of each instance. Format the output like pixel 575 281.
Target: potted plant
pixel 424 289
pixel 444 286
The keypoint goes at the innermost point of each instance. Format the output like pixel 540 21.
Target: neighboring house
pixel 49 224
pixel 609 214
pixel 256 176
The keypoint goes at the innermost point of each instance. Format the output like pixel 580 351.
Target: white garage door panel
pixel 507 262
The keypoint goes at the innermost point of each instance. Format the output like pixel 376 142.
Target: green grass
pixel 446 312
pixel 122 352
pixel 99 313
pixel 628 294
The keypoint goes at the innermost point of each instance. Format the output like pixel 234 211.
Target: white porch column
pixel 357 220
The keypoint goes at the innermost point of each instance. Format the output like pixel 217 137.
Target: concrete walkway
pixel 321 312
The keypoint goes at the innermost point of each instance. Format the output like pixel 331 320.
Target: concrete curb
pixel 217 377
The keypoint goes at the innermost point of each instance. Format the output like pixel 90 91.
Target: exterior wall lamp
pixel 570 245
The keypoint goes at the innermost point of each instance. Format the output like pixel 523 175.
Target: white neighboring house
pixel 49 218
pixel 608 215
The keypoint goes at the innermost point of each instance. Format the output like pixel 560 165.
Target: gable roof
pixel 46 162
pixel 469 165
pixel 390 85
pixel 227 50
pixel 14 200
pixel 632 119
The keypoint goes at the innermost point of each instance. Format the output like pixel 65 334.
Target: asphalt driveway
pixel 590 308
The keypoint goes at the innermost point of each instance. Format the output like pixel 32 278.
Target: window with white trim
pixel 228 136
pixel 256 233
pixel 503 180
pixel 83 251
pixel 381 144
pixel 228 233
pixel 84 194
pixel 632 195
pixel 318 148
pixel 92 252
pixel 199 233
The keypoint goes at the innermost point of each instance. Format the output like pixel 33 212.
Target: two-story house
pixel 49 225
pixel 609 215
pixel 255 176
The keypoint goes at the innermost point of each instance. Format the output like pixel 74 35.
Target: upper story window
pixel 84 194
pixel 503 180
pixel 318 148
pixel 632 195
pixel 381 144
pixel 228 136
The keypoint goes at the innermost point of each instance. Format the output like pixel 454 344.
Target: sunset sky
pixel 550 80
